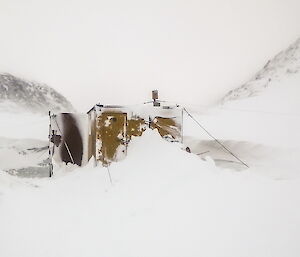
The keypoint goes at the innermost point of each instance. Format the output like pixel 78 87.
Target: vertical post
pixel 182 125
pixel 95 131
pixel 49 151
pixel 125 134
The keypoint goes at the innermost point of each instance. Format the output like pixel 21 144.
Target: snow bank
pixel 163 202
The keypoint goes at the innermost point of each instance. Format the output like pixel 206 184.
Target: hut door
pixel 111 137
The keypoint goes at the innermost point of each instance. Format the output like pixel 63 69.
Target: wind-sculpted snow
pixel 162 202
pixel 24 157
pixel 284 65
pixel 20 95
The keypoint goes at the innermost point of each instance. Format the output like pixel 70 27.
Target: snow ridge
pixel 283 65
pixel 16 93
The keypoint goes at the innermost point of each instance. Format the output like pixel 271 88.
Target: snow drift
pixel 163 202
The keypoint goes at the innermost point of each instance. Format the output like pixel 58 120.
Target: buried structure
pixel 104 132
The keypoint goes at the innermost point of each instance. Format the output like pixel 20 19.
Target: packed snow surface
pixel 162 202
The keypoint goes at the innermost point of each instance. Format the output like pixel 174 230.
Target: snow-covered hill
pixel 281 68
pixel 265 110
pixel 20 95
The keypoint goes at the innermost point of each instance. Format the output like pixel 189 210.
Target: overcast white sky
pixel 115 52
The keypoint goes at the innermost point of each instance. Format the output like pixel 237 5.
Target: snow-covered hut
pixel 105 131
